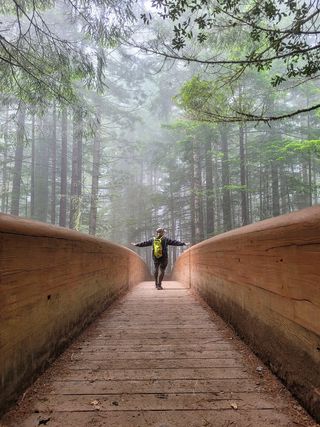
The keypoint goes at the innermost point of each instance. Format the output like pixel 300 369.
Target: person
pixel 159 245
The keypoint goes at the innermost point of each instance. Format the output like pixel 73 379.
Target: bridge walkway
pixel 157 358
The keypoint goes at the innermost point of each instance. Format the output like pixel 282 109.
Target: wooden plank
pixel 98 354
pixel 155 402
pixel 98 363
pixel 173 374
pixel 151 386
pixel 149 374
pixel 190 418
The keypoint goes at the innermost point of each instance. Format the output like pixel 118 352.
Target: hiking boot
pixel 159 286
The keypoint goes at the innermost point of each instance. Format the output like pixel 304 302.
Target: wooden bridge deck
pixel 157 358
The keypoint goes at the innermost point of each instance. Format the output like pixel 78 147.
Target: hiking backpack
pixel 157 247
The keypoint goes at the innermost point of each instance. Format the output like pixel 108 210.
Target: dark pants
pixel 159 263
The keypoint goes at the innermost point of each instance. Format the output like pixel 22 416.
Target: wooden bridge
pixel 161 358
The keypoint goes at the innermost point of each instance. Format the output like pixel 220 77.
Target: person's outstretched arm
pixel 142 244
pixel 172 242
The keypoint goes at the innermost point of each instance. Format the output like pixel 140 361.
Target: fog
pixel 109 128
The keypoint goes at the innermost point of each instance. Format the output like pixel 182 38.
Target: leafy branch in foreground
pixel 279 30
pixel 41 54
pixel 206 101
pixel 280 38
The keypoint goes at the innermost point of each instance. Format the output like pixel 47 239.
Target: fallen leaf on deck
pixel 43 421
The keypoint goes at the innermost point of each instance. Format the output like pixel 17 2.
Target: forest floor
pixel 157 358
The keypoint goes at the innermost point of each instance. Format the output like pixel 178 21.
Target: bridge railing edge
pixel 264 280
pixel 54 282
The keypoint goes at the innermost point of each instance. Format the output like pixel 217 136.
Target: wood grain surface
pixel 265 280
pixel 54 281
pixel 175 364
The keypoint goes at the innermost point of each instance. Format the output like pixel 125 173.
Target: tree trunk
pixel 95 182
pixel 275 135
pixel 41 175
pixel 53 164
pixel 64 168
pixel 75 208
pixel 217 195
pixel 267 208
pixel 198 193
pixel 248 175
pixel 243 182
pixel 261 215
pixel 226 197
pixel 172 215
pixel 33 155
pixel 284 207
pixel 192 199
pixel 275 189
pixel 4 191
pixel 309 135
pixel 18 158
pixel 209 189
pixel 310 178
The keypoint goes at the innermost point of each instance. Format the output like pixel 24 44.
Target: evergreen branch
pixel 253 61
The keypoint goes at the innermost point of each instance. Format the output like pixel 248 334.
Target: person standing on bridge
pixel 159 245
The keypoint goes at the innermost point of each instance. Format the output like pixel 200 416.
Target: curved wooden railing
pixel 265 280
pixel 54 281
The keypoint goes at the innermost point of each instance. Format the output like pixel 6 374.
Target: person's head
pixel 160 231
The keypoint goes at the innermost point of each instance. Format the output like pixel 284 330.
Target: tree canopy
pixel 42 55
pixel 278 38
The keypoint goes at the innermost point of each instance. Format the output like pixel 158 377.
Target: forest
pixel 117 117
